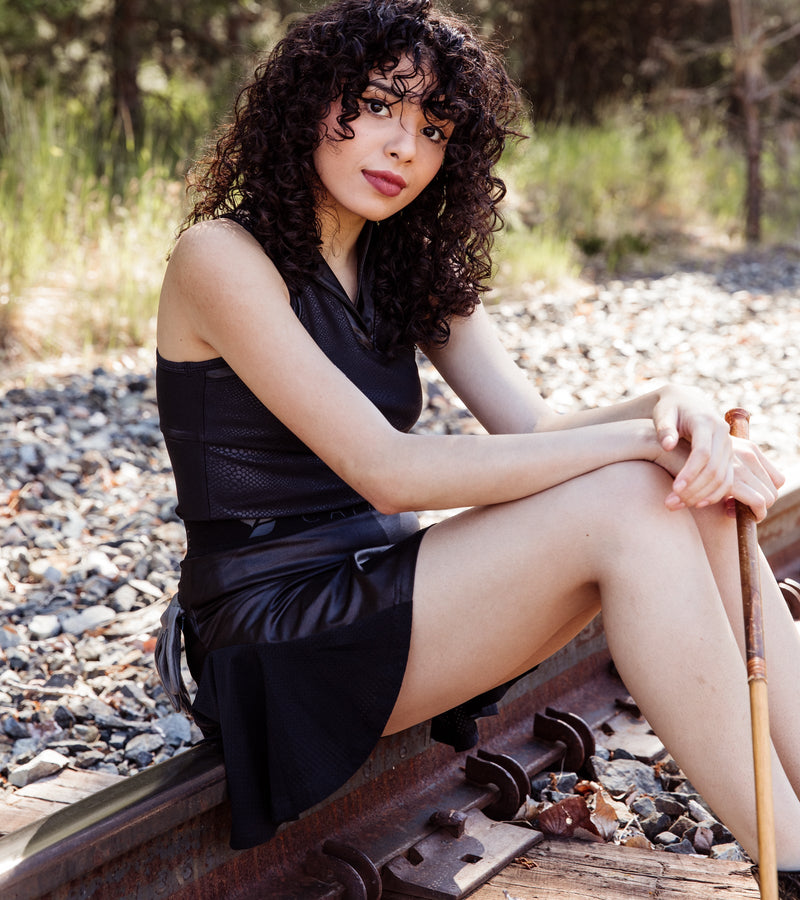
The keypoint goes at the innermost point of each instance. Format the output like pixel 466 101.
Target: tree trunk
pixel 753 147
pixel 125 55
pixel 749 75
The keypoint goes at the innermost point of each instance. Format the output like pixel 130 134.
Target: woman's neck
pixel 340 250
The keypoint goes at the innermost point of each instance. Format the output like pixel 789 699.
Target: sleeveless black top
pixel 233 459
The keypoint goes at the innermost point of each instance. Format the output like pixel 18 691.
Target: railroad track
pixel 163 832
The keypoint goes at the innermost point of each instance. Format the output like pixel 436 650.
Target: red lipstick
pixel 387 183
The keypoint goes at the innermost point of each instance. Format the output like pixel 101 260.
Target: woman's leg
pixel 500 588
pixel 781 640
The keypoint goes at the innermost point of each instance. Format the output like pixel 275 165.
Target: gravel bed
pixel 90 545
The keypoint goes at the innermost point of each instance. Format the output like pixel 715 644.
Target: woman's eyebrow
pixel 389 88
pixel 430 103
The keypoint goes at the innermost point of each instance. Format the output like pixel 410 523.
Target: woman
pixel 345 217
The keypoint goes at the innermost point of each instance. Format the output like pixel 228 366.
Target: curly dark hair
pixel 433 258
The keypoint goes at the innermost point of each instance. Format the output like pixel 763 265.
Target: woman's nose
pixel 402 143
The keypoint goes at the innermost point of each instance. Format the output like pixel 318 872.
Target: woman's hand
pixel 707 463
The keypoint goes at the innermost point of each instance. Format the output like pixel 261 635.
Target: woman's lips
pixel 386 183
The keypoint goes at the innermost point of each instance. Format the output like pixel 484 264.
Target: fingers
pixel 743 474
pixel 708 474
pixel 778 478
pixel 718 466
pixel 665 419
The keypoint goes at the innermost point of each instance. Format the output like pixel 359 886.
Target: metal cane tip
pixel 733 415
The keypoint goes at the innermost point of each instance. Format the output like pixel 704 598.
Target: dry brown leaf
pixel 586 787
pixel 525 863
pixel 529 810
pixel 569 818
pixel 604 817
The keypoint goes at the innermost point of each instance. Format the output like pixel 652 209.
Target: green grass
pixel 616 192
pixel 84 224
pixel 85 228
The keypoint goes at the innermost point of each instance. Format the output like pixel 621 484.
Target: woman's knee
pixel 624 493
pixel 638 481
pixel 628 510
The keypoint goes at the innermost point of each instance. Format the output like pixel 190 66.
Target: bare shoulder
pixel 216 268
pixel 218 244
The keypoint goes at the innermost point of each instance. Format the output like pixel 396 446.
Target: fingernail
pixel 679 486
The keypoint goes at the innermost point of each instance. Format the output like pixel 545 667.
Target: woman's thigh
pixel 500 588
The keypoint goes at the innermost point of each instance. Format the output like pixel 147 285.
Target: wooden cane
pixel 749 573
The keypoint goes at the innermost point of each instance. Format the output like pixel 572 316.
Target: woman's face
pixel 395 151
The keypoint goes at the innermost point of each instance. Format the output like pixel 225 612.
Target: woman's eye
pixel 376 107
pixel 434 133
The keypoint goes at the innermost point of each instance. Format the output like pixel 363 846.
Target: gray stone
pixel 43 627
pixel 644 806
pixel 731 852
pixel 91 708
pixel 554 796
pixel 666 838
pixel 621 753
pixel 686 788
pixel 24 749
pixel 655 825
pixel 41 570
pixel 15 729
pixel 140 758
pixel 148 742
pixel 621 776
pixel 87 620
pixel 96 589
pixel 9 637
pixel 176 729
pixel 721 833
pixel 560 782
pixel 136 692
pixel 124 598
pixel 684 848
pixel 702 839
pixel 18 658
pixel 87 733
pixel 48 762
pixel 89 759
pixel 146 587
pixel 118 739
pixel 681 825
pixel 670 806
pixel 63 717
pixel 698 810
pixel 97 562
pixel 68 746
pixel 90 648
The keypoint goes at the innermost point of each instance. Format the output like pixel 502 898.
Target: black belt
pixel 227 534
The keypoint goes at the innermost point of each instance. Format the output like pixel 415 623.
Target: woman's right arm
pixel 223 297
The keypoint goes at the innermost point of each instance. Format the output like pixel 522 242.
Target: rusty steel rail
pixel 163 832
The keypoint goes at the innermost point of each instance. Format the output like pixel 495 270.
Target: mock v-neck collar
pixel 361 310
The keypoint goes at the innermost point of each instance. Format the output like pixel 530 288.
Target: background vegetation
pixel 654 123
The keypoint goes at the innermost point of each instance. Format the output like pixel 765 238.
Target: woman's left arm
pixel 706 463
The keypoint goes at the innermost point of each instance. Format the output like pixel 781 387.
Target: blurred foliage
pixel 570 58
pixel 103 104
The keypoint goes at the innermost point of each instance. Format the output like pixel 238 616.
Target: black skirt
pixel 299 645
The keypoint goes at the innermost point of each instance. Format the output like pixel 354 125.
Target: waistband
pixel 203 537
